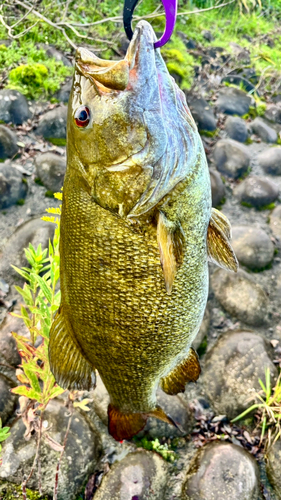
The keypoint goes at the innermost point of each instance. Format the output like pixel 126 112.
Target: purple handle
pixel 171 7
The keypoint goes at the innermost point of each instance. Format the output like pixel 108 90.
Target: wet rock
pixel 231 158
pixel 275 222
pixel 273 113
pixel 238 360
pixel 34 231
pixel 252 246
pixel 203 332
pixel 190 44
pixel 270 160
pixel 13 107
pixel 12 185
pixel 139 476
pixel 236 129
pixel 238 80
pixel 7 399
pixel 64 93
pixel 9 356
pixel 50 169
pixel 273 468
pixel 257 191
pixel 217 186
pixel 240 296
pixel 52 125
pixel 8 143
pixel 222 471
pixel 80 458
pixel 264 131
pixel 202 113
pixel 232 101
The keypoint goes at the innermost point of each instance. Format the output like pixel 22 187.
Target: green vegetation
pixel 26 66
pixel 21 202
pixel 12 491
pixel 267 409
pixel 154 445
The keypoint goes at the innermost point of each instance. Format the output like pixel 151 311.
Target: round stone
pixel 222 471
pixel 50 169
pixel 13 107
pixel 257 191
pixel 240 296
pixel 270 160
pixel 231 158
pixel 252 246
pixel 233 101
pixel 273 113
pixel 12 185
pixel 273 468
pixel 217 187
pixel 8 143
pixel 275 222
pixel 202 112
pixel 52 124
pixel 139 476
pixel 264 131
pixel 82 453
pixel 236 129
pixel 232 371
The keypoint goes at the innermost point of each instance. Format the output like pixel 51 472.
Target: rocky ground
pixel 240 336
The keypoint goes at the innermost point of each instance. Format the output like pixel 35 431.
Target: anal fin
pixel 68 365
pixel 219 248
pixel 187 371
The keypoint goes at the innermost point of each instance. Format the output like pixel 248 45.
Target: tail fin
pixel 126 425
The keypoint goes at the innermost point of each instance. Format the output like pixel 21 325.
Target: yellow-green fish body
pixel 134 249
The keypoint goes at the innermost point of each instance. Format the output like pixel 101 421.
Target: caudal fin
pixel 126 425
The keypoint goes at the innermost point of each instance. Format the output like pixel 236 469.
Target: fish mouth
pixel 115 75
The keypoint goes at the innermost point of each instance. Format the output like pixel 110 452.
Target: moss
pixel 154 445
pixel 29 77
pixel 246 204
pixel 209 133
pixel 179 61
pixel 56 141
pixel 49 194
pixel 24 181
pixel 21 202
pixel 203 346
pixel 249 141
pixel 221 203
pixel 270 206
pixel 4 212
pixel 38 181
pixel 261 108
pixel 10 491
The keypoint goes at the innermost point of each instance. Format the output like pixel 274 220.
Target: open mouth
pixel 112 75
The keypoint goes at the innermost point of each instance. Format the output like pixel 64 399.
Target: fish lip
pixel 143 35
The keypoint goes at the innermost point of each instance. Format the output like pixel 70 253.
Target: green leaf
pixel 22 390
pixel 253 407
pixel 56 391
pixel 24 274
pixel 25 293
pixel 46 289
pixel 25 316
pixel 30 373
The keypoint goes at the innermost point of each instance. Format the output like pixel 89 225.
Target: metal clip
pixel 170 7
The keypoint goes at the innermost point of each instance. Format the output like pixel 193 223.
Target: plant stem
pixel 24 483
pixel 55 497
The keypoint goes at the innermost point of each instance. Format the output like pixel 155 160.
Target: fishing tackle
pixel 170 7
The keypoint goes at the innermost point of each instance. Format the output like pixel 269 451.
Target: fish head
pixel 129 127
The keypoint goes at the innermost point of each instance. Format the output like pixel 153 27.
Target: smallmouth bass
pixel 137 231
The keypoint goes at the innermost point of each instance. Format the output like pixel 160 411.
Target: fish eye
pixel 82 116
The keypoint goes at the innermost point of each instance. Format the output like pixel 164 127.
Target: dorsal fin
pixel 170 242
pixel 219 248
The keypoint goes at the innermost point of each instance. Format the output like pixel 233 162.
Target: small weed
pixel 209 133
pixel 38 181
pixel 57 141
pixel 203 346
pixel 154 445
pixel 49 194
pixel 268 410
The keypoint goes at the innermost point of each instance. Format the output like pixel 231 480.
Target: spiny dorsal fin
pixel 218 245
pixel 170 243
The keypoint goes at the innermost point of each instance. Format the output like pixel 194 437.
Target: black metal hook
pixel 129 8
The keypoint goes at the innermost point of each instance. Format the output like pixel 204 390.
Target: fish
pixel 137 232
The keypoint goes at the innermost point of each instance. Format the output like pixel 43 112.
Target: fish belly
pixel 114 294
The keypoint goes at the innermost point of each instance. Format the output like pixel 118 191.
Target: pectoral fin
pixel 68 365
pixel 219 248
pixel 170 243
pixel 187 371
